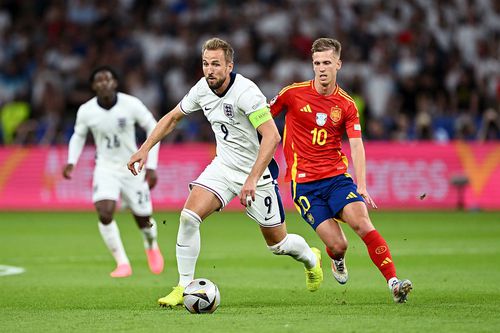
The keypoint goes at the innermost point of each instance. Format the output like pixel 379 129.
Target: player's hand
pixel 247 194
pixel 138 157
pixel 151 178
pixel 368 200
pixel 67 170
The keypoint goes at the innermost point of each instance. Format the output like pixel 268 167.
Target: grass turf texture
pixel 452 258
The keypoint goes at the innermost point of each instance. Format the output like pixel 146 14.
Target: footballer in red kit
pixel 313 119
pixel 318 113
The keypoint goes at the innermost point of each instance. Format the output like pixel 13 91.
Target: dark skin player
pixel 105 85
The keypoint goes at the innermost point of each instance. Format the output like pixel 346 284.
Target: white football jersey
pixel 113 131
pixel 237 140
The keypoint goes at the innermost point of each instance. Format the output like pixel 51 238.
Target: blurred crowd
pixel 417 69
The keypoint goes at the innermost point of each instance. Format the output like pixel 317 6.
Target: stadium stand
pixel 419 69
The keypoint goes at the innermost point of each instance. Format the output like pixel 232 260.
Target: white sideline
pixel 10 270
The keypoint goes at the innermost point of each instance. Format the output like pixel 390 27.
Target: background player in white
pixel 111 117
pixel 236 110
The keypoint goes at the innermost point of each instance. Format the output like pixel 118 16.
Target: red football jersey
pixel 314 125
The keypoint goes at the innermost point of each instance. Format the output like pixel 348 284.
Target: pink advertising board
pixel 397 174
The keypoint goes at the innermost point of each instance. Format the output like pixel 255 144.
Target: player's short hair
pixel 325 44
pixel 219 44
pixel 103 68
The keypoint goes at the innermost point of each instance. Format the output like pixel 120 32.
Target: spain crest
pixel 335 114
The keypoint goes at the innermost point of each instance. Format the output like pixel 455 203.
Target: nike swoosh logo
pixel 207 108
pixel 179 245
pixel 268 218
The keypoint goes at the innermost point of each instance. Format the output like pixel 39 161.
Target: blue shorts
pixel 322 199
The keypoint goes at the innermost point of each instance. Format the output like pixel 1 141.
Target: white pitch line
pixel 10 270
pixel 61 259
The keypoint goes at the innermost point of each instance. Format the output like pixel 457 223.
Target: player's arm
pixel 166 125
pixel 353 129
pixel 147 122
pixel 76 144
pixel 277 104
pixel 263 122
pixel 359 161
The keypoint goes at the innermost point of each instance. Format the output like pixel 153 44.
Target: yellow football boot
pixel 314 276
pixel 174 298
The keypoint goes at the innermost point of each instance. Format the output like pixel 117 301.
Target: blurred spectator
pixel 447 51
pixel 465 128
pixel 490 126
pixel 12 115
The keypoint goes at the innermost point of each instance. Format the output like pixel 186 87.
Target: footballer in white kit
pixel 114 135
pixel 234 118
pixel 246 138
pixel 111 117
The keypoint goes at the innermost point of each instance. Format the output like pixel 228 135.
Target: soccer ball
pixel 201 296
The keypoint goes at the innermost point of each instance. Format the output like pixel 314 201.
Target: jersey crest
pixel 228 110
pixel 122 123
pixel 309 218
pixel 321 119
pixel 335 114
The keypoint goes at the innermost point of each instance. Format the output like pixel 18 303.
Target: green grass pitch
pixel 452 258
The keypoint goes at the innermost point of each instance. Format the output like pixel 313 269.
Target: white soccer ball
pixel 201 296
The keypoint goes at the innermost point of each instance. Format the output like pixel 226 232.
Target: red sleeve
pixel 352 126
pixel 277 104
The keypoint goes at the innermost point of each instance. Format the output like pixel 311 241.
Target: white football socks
pixel 296 247
pixel 391 282
pixel 150 235
pixel 187 248
pixel 111 236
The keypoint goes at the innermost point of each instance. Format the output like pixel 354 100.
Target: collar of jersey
pixel 105 108
pixel 233 77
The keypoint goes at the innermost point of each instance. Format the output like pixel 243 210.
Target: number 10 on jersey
pixel 319 136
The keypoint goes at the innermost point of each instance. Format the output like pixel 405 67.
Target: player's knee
pixel 362 227
pixel 339 248
pixel 105 218
pixel 189 220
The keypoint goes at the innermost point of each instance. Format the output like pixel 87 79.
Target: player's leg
pixel 356 215
pixel 310 201
pixel 110 233
pixel 136 194
pixel 268 211
pixel 209 192
pixel 106 192
pixel 149 230
pixel 280 242
pixel 336 243
pixel 199 205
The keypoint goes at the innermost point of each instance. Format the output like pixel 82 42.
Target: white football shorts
pixel 109 184
pixel 267 209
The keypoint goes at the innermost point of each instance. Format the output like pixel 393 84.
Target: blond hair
pixel 219 44
pixel 325 44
